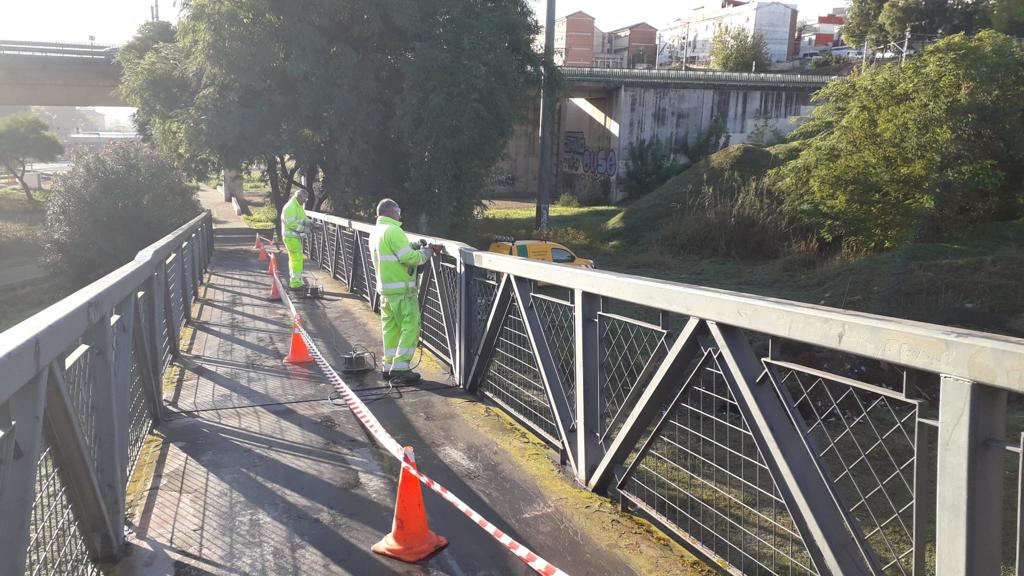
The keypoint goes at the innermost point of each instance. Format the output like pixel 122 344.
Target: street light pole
pixel 547 124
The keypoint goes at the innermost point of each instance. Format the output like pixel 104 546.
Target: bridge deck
pixel 257 473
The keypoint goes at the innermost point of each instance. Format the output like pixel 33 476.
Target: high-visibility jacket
pixel 394 258
pixel 293 219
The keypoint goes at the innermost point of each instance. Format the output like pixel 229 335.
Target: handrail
pixel 29 346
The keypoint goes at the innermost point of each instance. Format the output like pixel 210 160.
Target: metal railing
pixel 771 437
pixel 58 49
pixel 693 77
pixel 81 387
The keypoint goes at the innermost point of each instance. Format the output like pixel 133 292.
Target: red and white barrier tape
pixel 540 565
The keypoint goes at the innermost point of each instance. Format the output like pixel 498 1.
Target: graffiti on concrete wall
pixel 577 158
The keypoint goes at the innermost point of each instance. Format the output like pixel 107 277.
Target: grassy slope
pixel 20 225
pixel 972 282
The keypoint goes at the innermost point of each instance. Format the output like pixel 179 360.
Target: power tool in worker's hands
pixel 437 248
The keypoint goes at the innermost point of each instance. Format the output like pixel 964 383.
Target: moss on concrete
pixel 645 548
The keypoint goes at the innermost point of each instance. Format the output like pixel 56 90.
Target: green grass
pixel 973 281
pixel 23 300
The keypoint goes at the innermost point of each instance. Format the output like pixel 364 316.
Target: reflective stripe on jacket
pixel 293 219
pixel 394 258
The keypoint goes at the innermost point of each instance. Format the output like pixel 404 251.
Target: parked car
pixel 538 250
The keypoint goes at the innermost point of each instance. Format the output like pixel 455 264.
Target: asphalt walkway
pixel 254 471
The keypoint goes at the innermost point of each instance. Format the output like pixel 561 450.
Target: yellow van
pixel 538 250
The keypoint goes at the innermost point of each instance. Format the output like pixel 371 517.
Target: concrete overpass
pixel 65 74
pixel 52 74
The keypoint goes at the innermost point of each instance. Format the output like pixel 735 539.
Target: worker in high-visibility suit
pixel 293 226
pixel 395 259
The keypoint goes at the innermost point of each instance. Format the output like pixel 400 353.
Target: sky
pixel 612 14
pixel 114 21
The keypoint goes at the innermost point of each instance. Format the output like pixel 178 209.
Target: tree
pixel 110 205
pixel 25 137
pixel 918 152
pixel 883 21
pixel 412 99
pixel 735 50
pixel 649 165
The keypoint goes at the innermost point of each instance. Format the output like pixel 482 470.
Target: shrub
pixel 649 166
pixel 919 152
pixel 112 204
pixel 568 201
pixel 735 217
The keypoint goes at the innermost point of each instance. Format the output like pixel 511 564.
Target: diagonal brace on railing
pixel 102 533
pixel 485 349
pixel 655 395
pixel 820 519
pixel 546 364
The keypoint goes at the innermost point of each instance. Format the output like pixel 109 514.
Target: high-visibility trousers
pixel 400 323
pixel 294 248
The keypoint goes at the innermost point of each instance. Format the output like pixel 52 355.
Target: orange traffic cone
pixel 272 268
pixel 298 353
pixel 275 294
pixel 411 539
pixel 258 243
pixel 263 253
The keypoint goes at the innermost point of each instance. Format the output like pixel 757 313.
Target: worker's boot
pixel 404 376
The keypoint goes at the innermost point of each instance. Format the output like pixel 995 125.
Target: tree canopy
pixel 736 50
pixel 915 152
pixel 25 137
pixel 412 99
pixel 881 21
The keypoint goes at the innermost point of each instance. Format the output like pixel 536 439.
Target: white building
pixel 691 36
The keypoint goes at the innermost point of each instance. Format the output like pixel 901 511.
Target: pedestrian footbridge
pixel 148 425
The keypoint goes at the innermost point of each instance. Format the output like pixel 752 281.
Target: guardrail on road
pixel 772 437
pixel 79 391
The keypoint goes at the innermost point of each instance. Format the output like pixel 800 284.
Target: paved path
pixel 259 474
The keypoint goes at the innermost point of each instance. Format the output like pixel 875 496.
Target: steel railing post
pixel 464 328
pixel 588 385
pixel 969 483
pixel 184 287
pixel 22 420
pixel 111 407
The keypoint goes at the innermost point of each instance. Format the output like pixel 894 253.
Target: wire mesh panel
pixel 556 318
pixel 449 275
pixel 483 289
pixel 139 420
pixel 371 273
pixel 702 475
pixel 56 544
pixel 174 289
pixel 432 327
pixel 513 380
pixel 80 383
pixel 344 255
pixel 631 351
pixel 332 232
pixel 866 438
pixel 358 280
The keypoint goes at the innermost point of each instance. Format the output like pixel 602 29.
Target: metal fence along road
pixel 769 437
pixel 79 391
pixel 626 76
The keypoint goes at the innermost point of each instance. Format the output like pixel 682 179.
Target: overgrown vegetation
pixel 919 152
pixel 648 166
pixel 111 205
